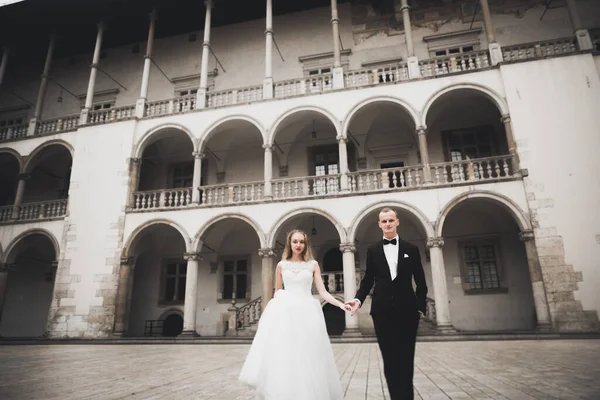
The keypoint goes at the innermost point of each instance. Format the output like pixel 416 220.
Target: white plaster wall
pixel 240 49
pixel 554 108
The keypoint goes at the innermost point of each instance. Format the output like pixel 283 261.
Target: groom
pixel 391 266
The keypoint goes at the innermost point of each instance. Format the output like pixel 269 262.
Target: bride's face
pixel 298 243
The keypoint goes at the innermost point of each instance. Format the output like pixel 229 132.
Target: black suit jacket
pixel 397 296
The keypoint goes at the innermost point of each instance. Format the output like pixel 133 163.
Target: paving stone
pixel 551 369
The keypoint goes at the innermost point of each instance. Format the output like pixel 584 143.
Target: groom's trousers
pixel 396 336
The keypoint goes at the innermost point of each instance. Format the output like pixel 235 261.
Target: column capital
pixel 135 161
pixel 526 235
pixel 267 147
pixel 435 242
pixel 269 31
pixel 193 256
pixel 347 248
pixel 24 177
pixel 266 252
pixel 198 154
pixel 505 118
pixel 341 139
pixel 421 130
pixel 127 261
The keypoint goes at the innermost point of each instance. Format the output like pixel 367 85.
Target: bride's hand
pixel 345 307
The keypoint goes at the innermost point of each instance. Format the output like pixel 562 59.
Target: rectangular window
pixel 481 268
pixel 173 282
pixel 325 161
pixel 182 175
pixel 235 279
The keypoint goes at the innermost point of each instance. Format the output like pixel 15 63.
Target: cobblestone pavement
pixel 552 369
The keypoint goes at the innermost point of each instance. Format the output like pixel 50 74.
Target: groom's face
pixel 388 223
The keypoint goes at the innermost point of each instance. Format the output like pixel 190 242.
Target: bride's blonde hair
pixel 307 254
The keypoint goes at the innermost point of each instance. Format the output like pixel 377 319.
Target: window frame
pixel 479 242
pixel 235 258
pixel 165 262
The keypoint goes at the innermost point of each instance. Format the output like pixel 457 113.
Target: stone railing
pixel 68 123
pixel 481 169
pixel 333 282
pixel 431 313
pixel 171 106
pixel 306 186
pixel 232 193
pixel 42 210
pixel 455 63
pixel 368 76
pixel 111 115
pixel 13 132
pixel 384 179
pixel 303 86
pixel 164 198
pixel 368 181
pixel 534 50
pixel 6 213
pixel 429 68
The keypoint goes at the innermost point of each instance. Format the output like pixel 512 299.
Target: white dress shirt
pixel 391 255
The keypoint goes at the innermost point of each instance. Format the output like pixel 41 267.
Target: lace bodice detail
pixel 297 276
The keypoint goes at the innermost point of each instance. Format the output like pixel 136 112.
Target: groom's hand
pixel 355 305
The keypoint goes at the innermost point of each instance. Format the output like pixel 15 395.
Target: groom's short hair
pixel 388 209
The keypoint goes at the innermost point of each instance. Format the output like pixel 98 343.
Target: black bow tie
pixel 393 241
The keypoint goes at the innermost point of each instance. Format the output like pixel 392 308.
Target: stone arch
pixel 44 145
pixel 171 310
pixel 259 232
pixel 505 202
pixel 240 117
pixel 147 137
pixel 319 110
pixel 16 155
pixel 277 226
pixel 425 223
pixel 37 231
pixel 377 99
pixel 498 100
pixel 133 236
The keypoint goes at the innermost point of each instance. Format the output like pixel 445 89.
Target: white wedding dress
pixel 291 356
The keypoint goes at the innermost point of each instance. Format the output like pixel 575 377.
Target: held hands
pixel 354 306
pixel 345 307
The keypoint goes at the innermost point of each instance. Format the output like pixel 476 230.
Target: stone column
pixel 92 82
pixel 3 64
pixel 348 250
pixel 424 150
pixel 268 82
pixel 267 281
pixel 198 156
pixel 440 288
pixel 134 177
pixel 343 156
pixel 23 178
pixel 412 61
pixel 39 104
pixel 201 95
pixel 3 286
pixel 140 106
pixel 123 295
pixel 584 39
pixel 268 191
pixel 542 310
pixel 495 49
pixel 512 145
pixel 191 293
pixel 338 72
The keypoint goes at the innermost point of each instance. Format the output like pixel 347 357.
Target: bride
pixel 291 357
